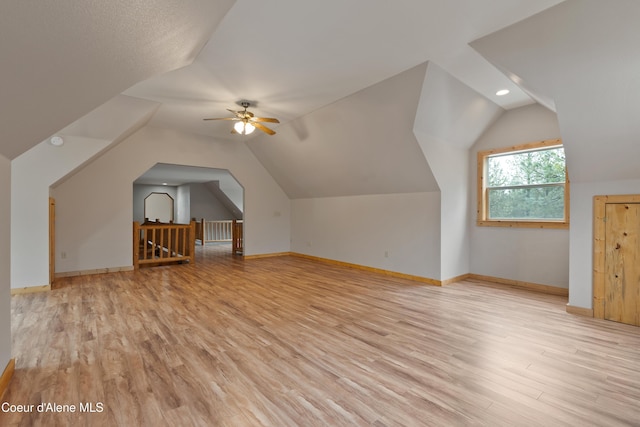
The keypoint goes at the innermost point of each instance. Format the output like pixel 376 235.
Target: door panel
pixel 622 263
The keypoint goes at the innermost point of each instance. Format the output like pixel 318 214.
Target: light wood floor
pixel 292 342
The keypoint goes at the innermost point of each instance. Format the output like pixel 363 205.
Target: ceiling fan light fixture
pixel 244 127
pixel 247 122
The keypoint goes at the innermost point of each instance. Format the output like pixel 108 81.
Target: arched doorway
pixel 210 196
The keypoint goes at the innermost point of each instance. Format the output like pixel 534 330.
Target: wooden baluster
pixel 236 236
pixel 175 245
pixel 233 238
pixel 192 247
pixel 136 244
pixel 159 239
pixel 183 241
pixel 154 239
pixel 145 243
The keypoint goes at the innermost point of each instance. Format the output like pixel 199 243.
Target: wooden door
pixel 52 240
pixel 622 263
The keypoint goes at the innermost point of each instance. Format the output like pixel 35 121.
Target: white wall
pixel 531 255
pixel 204 204
pixel 141 191
pixel 234 192
pixel 581 259
pixel 361 144
pixel 5 262
pixel 183 202
pixel 190 200
pixel 95 205
pixel 31 175
pixel 360 229
pixel 451 166
pixel 449 119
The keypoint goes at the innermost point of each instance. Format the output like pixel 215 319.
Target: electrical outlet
pixel 63 255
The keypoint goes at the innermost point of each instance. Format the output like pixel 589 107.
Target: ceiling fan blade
pixel 264 129
pixel 249 118
pixel 238 114
pixel 265 119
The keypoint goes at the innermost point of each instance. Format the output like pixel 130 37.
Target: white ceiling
pixel 61 59
pixel 583 56
pixel 176 175
pixel 292 57
pixel 304 62
pixel 361 144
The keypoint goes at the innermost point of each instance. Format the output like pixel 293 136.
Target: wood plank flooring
pixel 293 342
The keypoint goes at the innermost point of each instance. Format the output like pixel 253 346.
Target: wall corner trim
pixel 579 311
pixel 6 376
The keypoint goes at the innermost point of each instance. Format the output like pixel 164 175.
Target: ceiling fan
pixel 247 122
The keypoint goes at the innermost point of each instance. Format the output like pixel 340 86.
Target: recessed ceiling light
pixel 502 92
pixel 56 141
pixel 164 183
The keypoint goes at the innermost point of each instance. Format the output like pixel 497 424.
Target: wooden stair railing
pixel 214 231
pixel 161 243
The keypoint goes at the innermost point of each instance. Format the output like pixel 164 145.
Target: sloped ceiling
pixel 112 122
pixel 334 72
pixel 293 57
pixel 450 112
pixel 581 56
pixel 61 59
pixel 121 115
pixel 362 144
pixel 216 180
pixel 176 175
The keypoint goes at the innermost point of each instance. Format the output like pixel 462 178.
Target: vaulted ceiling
pixel 582 59
pixel 62 59
pixel 346 79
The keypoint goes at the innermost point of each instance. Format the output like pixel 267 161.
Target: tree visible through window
pixel 523 185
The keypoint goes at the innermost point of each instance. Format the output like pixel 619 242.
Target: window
pixel 524 186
